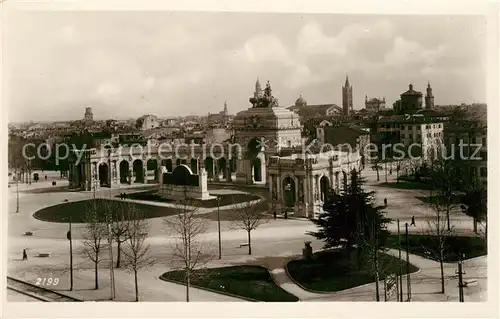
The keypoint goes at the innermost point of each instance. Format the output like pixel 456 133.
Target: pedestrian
pixel 286 214
pixel 274 214
pixel 25 255
pixel 385 202
pixel 45 177
pixel 413 221
pixel 390 171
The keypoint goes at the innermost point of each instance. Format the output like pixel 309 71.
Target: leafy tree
pixel 351 216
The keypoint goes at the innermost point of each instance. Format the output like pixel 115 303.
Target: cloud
pixel 187 63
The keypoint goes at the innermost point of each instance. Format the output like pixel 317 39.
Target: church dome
pixel 300 101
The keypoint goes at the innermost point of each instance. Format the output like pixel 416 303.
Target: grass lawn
pixel 60 213
pixel 229 214
pixel 423 244
pixel 335 271
pixel 228 199
pixel 406 185
pixel 248 281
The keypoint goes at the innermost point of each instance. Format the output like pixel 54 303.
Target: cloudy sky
pixel 126 64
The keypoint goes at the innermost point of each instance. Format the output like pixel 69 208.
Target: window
pixel 427 126
pixel 410 136
pixel 402 127
pixel 402 136
pixel 483 171
pixel 418 127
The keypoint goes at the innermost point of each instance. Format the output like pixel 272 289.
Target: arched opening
pixel 209 167
pixel 254 147
pixel 124 169
pixel 194 165
pixel 324 187
pixel 289 197
pixel 103 174
pixel 221 167
pixel 257 170
pixel 79 174
pixel 152 165
pixel 168 165
pixel 233 164
pixel 138 171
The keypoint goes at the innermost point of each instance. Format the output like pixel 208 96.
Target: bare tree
pixel 438 228
pixel 377 167
pixel 136 250
pixel 93 238
pixel 445 178
pixel 188 250
pixel 117 213
pixel 249 216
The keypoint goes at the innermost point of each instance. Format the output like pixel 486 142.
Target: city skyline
pixel 124 66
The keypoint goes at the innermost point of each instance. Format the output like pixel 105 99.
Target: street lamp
pixel 69 237
pixel 17 192
pixel 218 225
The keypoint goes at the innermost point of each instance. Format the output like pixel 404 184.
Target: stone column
pixel 215 170
pixel 228 171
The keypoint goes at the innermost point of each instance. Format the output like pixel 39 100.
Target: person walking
pixel 25 255
pixel 385 202
pixel 413 221
pixel 274 214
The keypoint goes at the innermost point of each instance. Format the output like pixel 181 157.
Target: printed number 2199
pixel 47 281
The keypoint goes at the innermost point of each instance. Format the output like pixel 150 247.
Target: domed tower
pixel 429 98
pixel 300 102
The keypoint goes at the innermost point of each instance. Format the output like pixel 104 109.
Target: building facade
pixel 374 105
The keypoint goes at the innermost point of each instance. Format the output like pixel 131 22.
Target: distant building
pixel 221 118
pixel 374 105
pixel 357 137
pixel 473 135
pixel 424 128
pixel 88 117
pixel 347 103
pixel 306 111
pixel 410 102
pixel 147 122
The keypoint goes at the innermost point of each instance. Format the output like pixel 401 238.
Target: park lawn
pixel 230 214
pixel 227 199
pixel 333 270
pixel 254 282
pixel 426 246
pixel 77 210
pixel 406 185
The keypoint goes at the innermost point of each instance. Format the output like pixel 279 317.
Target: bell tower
pixel 429 98
pixel 347 97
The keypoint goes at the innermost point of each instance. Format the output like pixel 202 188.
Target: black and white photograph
pixel 245 156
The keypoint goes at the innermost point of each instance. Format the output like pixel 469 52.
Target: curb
pixel 210 290
pixel 41 298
